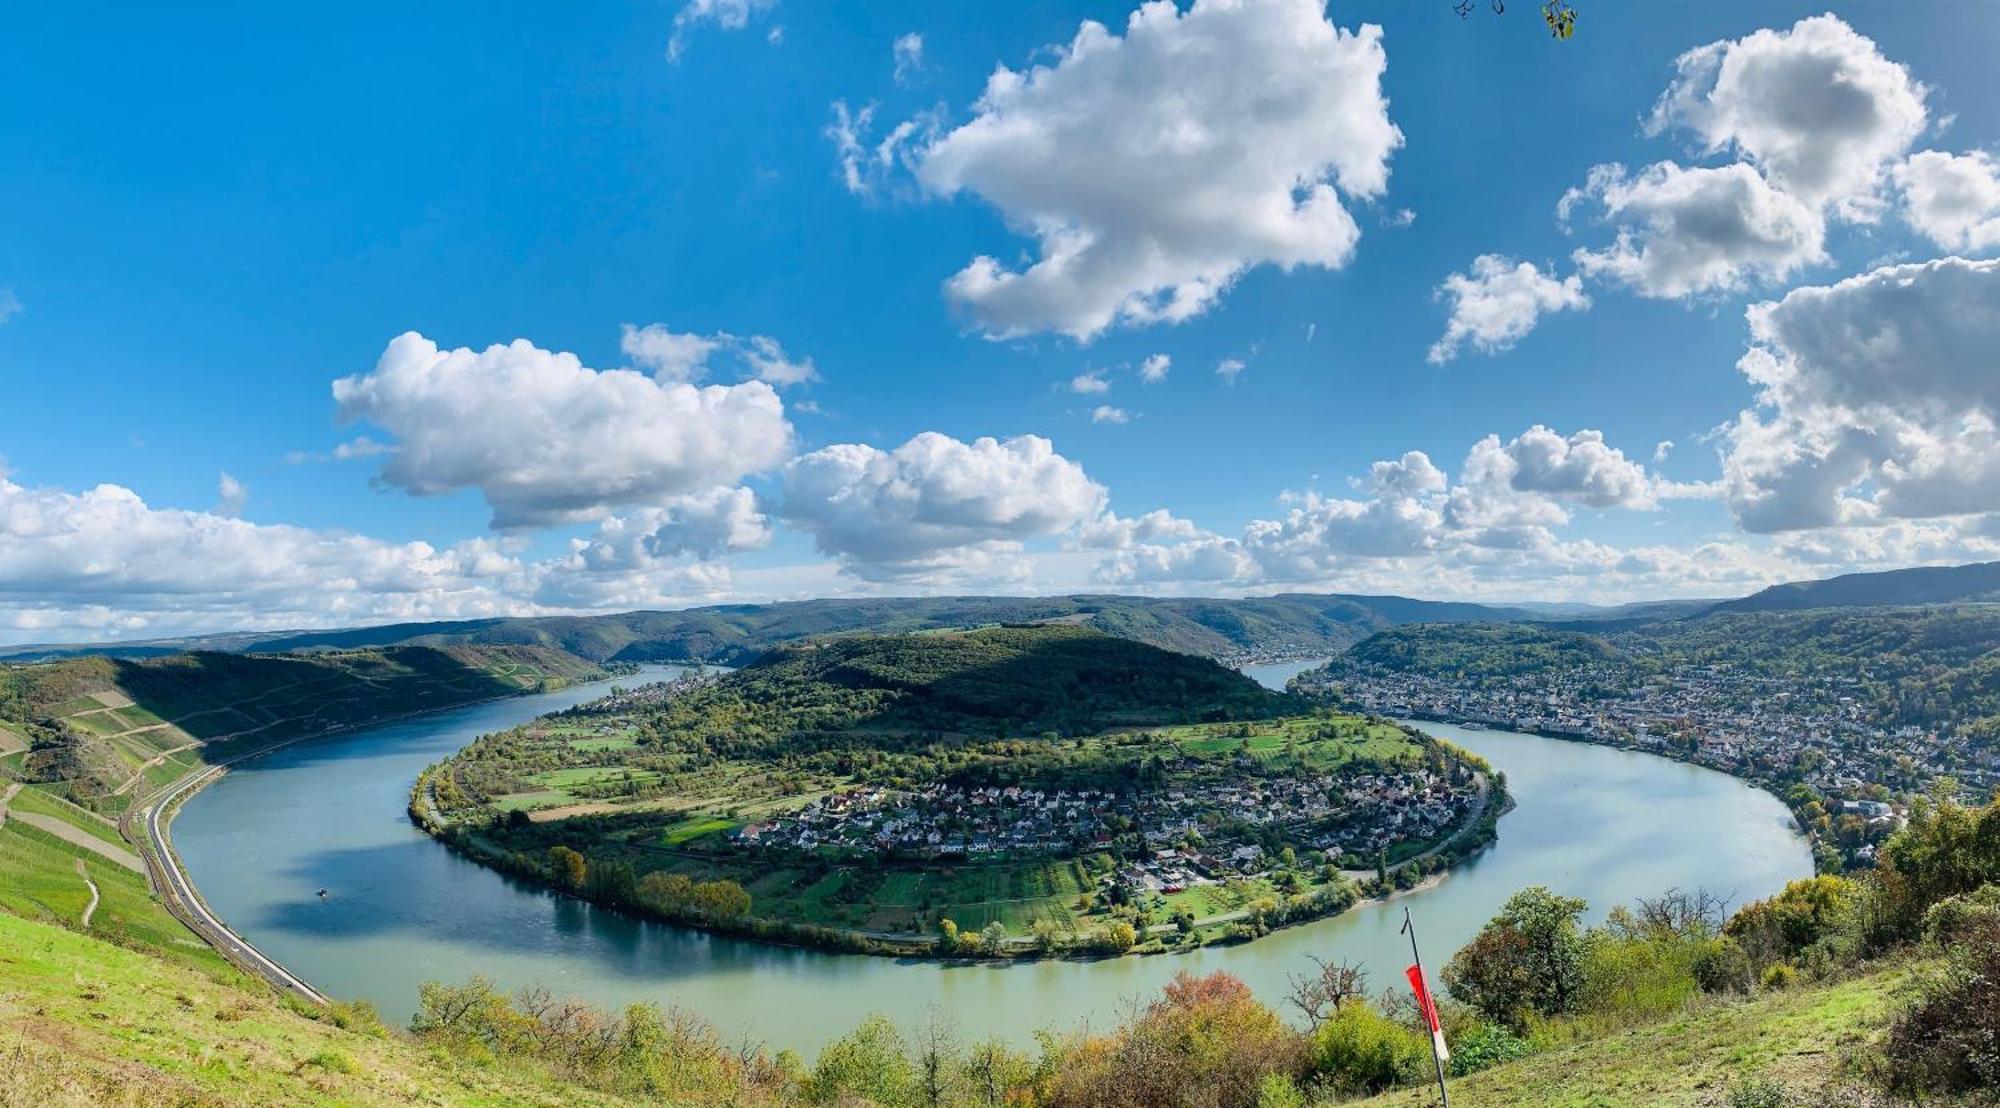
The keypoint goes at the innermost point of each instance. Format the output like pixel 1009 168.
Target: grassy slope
pixel 1795 1037
pixel 83 1022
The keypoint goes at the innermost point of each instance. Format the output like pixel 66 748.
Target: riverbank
pixel 147 825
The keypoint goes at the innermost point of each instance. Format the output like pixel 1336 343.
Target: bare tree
pixel 1319 995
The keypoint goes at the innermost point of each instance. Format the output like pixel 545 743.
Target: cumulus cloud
pixel 1954 199
pixel 1878 398
pixel 1689 231
pixel 1498 303
pixel 1154 369
pixel 675 356
pixel 1153 169
pixel 1089 384
pixel 1230 368
pixel 1500 515
pixel 1113 532
pixel 935 506
pixel 908 52
pixel 548 440
pixel 103 562
pixel 1106 413
pixel 728 15
pixel 1816 108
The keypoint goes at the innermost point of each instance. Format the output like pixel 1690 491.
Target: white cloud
pixel 1661 449
pixel 668 355
pixel 1105 413
pixel 935 507
pixel 1155 168
pixel 1230 368
pixel 1878 398
pixel 1089 384
pixel 908 52
pixel 231 496
pixel 867 163
pixel 1953 198
pixel 1154 369
pixel 547 440
pixel 706 525
pixel 1113 532
pixel 104 562
pixel 1817 108
pixel 1689 231
pixel 1498 302
pixel 729 15
pixel 674 356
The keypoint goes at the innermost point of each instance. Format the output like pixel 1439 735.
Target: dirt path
pixel 6 798
pixel 77 837
pixel 90 909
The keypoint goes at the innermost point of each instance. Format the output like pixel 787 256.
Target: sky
pixel 387 312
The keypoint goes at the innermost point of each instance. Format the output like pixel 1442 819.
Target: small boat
pixel 322 894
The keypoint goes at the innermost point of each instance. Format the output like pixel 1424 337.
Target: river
pixel 1603 824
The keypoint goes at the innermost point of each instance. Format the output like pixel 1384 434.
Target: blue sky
pixel 210 215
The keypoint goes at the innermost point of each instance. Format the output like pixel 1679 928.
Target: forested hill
pixel 1979 582
pixel 1006 680
pixel 1297 624
pixel 103 729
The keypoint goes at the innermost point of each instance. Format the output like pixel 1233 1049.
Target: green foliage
pixel 1948 1041
pixel 868 1063
pixel 1485 1045
pixel 1360 1050
pixel 1528 961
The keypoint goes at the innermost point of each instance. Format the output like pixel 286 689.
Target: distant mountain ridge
pixel 1286 624
pixel 1976 583
pixel 1299 624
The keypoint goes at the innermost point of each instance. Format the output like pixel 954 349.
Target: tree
pixel 947 935
pixel 867 1064
pixel 1320 994
pixel 1528 960
pixel 993 937
pixel 569 866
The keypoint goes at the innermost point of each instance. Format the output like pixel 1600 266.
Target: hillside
pixel 105 731
pixel 86 1024
pixel 1017 678
pixel 1695 1060
pixel 1966 584
pixel 1295 624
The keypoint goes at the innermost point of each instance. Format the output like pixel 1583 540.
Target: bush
pixel 1722 966
pixel 1279 1091
pixel 1955 917
pixel 1948 1041
pixel 333 1061
pixel 1780 976
pixel 1486 1044
pixel 1361 1050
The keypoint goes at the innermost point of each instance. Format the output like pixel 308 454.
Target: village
pixel 1193 835
pixel 1760 729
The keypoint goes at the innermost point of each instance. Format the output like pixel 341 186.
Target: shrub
pixel 1279 1091
pixel 1758 1092
pixel 1948 1041
pixel 333 1061
pixel 1363 1051
pixel 1722 966
pixel 867 1064
pixel 1780 976
pixel 1484 1045
pixel 1529 960
pixel 1955 917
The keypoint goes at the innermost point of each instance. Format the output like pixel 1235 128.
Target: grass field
pixel 86 1024
pixel 1793 1037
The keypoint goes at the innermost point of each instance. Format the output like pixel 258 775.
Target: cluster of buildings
pixel 1746 724
pixel 1195 833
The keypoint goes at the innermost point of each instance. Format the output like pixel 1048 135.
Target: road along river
pixel 400 909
